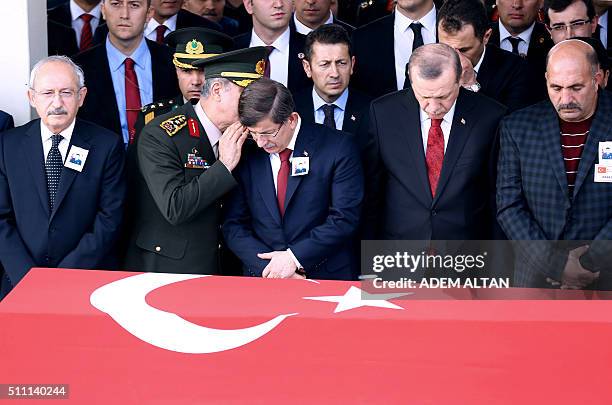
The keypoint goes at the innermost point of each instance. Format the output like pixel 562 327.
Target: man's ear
pixel 306 66
pixel 487 36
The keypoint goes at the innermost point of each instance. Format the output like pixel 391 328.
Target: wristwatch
pixel 475 87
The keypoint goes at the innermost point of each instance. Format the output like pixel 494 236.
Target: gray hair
pixel 432 60
pixel 208 84
pixel 62 59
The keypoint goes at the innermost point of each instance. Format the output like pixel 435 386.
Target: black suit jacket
pixel 399 204
pixel 186 19
pixel 296 79
pixel 539 45
pixel 60 34
pixel 348 27
pixel 505 77
pixel 6 121
pixel 100 104
pixel 355 114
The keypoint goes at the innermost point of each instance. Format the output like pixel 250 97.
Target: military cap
pixel 192 44
pixel 242 66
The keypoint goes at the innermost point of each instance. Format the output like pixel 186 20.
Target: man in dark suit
pixel 56 214
pixel 271 29
pixel 328 61
pixel 431 169
pixel 383 47
pixel 6 121
pixel 75 27
pixel 298 200
pixel 185 165
pixel 601 31
pixel 463 25
pixel 311 14
pixel 168 16
pixel 127 71
pixel 552 190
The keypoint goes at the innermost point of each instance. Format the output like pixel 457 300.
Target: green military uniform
pixel 175 227
pixel 150 111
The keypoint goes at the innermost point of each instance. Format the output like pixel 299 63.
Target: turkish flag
pixel 330 345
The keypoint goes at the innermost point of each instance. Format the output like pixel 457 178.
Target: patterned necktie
pixel 86 32
pixel 267 69
pixel 418 37
pixel 329 121
pixel 53 169
pixel 435 154
pixel 515 44
pixel 281 180
pixel 132 97
pixel 159 33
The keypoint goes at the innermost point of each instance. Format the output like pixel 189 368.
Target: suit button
pixel 158 248
pixel 221 205
pixel 219 246
pixel 434 213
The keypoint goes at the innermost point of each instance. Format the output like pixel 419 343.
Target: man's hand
pixel 576 277
pixel 230 145
pixel 281 264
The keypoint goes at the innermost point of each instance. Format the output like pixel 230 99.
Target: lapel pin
pixel 305 153
pixel 463 121
pixel 353 118
pixel 541 40
pixel 300 55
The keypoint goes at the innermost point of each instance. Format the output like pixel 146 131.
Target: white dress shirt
pixel 403 37
pixel 150 32
pixel 523 47
pixel 212 132
pixel 279 58
pixel 446 125
pixel 340 104
pixel 603 29
pixel 46 135
pixel 304 29
pixel 77 22
pixel 477 67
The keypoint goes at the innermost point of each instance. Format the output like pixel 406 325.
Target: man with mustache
pixel 61 182
pixel 552 186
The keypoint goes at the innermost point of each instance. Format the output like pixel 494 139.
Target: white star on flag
pixel 356 297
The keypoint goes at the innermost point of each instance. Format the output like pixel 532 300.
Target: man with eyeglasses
pixel 298 200
pixel 570 18
pixel 61 182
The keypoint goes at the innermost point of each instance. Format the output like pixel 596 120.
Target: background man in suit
pixel 75 27
pixel 463 25
pixel 311 14
pixel 213 10
pixel 168 16
pixel 570 18
pixel 271 29
pixel 602 32
pixel 186 168
pixel 127 71
pixel 6 121
pixel 431 168
pixel 328 61
pixel 384 46
pixel 282 222
pixel 54 214
pixel 547 184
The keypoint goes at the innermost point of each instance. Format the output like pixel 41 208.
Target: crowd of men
pixel 267 138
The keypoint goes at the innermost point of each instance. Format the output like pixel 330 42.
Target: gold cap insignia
pixel 260 67
pixel 194 47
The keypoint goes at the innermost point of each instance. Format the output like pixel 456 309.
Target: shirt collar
pixel 45 133
pixel 603 20
pixel 295 134
pixel 525 35
pixel 281 44
pixel 211 130
pixel 153 24
pixel 428 20
pixel 340 102
pixel 477 67
pixel 76 11
pixel 448 117
pixel 116 58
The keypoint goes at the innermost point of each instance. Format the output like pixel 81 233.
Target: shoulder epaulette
pixel 174 124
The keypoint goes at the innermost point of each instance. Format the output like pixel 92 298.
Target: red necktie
pixel 435 154
pixel 269 50
pixel 86 34
pixel 160 31
pixel 281 180
pixel 132 96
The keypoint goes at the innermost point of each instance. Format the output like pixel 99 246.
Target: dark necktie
pixel 281 180
pixel 515 44
pixel 329 121
pixel 418 37
pixel 53 169
pixel 86 32
pixel 159 33
pixel 132 97
pixel 435 154
pixel 267 69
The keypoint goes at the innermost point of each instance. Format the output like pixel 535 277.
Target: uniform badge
pixel 148 117
pixel 353 118
pixel 196 162
pixel 174 124
pixel 260 67
pixel 194 129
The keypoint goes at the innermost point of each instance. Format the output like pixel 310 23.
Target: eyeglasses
pixel 65 94
pixel 558 28
pixel 266 135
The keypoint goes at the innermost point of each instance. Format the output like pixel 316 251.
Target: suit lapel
pixel 81 139
pixel 387 53
pixel 105 90
pixel 349 123
pixel 551 137
pixel 307 105
pixel 303 147
pixel 263 171
pixel 34 156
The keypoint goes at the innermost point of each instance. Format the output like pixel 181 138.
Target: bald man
pixel 552 185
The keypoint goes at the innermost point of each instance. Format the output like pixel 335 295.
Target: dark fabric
pixel 328 121
pixel 573 138
pixel 61 36
pixel 53 169
pixel 418 36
